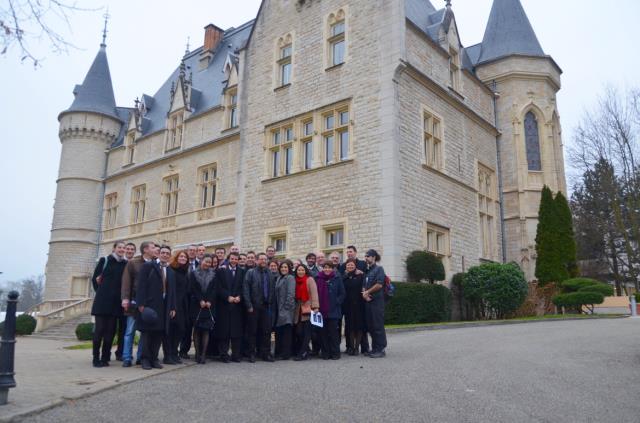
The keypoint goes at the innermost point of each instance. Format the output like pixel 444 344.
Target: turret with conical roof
pixel 511 61
pixel 88 128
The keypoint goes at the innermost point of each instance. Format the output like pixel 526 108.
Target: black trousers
pixel 200 342
pixel 302 333
pixel 171 341
pixel 236 347
pixel 259 331
pixel 103 334
pixel 374 314
pixel 122 326
pixel 185 342
pixel 330 338
pixel 151 341
pixel 284 335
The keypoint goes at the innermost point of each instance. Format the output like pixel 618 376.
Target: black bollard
pixel 8 348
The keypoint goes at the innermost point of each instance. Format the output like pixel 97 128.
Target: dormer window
pixel 174 135
pixel 130 145
pixel 454 69
pixel 233 108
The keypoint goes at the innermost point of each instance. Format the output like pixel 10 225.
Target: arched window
pixel 532 142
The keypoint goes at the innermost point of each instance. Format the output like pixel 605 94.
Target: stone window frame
pixel 138 201
pixel 323 232
pixel 170 194
pixel 175 131
pixel 273 235
pixel 340 16
pixel 537 118
pixel 487 211
pixel 455 69
pixel 280 60
pixel 432 142
pixel 129 148
pixel 231 108
pixel 336 132
pixel 208 190
pixel 280 142
pixel 110 210
pixel 433 233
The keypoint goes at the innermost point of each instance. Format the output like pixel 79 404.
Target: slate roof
pixel 96 92
pixel 207 84
pixel 509 32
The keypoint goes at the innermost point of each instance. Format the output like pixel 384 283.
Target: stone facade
pixel 368 177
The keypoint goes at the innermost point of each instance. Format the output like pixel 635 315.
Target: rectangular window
pixel 111 210
pixel 233 112
pixel 344 145
pixel 279 241
pixel 129 149
pixel 284 64
pixel 344 118
pixel 288 134
pixel 280 244
pixel 275 136
pixel 328 149
pixel 288 164
pixel 487 211
pixel 432 141
pixel 328 122
pixel 454 69
pixel 308 155
pixel 138 203
pixel 174 136
pixel 333 238
pixel 307 128
pixel 337 43
pixel 170 192
pixel 276 164
pixel 208 186
pixel 438 240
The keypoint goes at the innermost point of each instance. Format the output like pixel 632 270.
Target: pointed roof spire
pixel 96 92
pixel 509 32
pixel 106 17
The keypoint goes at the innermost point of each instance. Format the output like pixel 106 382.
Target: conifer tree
pixel 566 240
pixel 549 263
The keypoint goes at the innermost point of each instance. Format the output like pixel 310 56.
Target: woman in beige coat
pixel 306 301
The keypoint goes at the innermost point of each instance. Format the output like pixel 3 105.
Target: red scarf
pixel 302 293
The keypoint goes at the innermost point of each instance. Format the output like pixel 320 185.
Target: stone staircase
pixel 65 331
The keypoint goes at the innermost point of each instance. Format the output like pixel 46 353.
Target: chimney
pixel 212 37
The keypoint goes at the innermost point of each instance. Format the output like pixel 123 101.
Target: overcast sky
pixel 592 41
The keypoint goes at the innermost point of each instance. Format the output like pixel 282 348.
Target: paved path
pixel 47 374
pixel 576 371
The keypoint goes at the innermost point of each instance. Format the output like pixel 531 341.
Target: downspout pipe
pixel 499 170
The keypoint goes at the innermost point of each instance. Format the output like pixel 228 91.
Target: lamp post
pixel 7 348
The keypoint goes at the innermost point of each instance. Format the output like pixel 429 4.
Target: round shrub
pixel 497 289
pixel 84 331
pixel 418 303
pixel 601 288
pixel 576 300
pixel 424 266
pixel 25 324
pixel 577 284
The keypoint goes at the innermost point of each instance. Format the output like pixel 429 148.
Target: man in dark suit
pixel 258 290
pixel 155 291
pixel 230 312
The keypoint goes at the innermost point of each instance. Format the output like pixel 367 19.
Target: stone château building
pixel 322 123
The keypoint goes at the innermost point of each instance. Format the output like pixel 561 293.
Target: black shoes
pixel 268 358
pixel 377 354
pixel 97 363
pixel 224 358
pixel 251 358
pixel 126 363
pixel 170 361
pixel 301 357
pixel 185 355
pixel 156 364
pixel 146 365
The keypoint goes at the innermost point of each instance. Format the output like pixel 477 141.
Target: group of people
pixel 230 304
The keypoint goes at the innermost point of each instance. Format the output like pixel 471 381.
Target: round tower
pixel 511 62
pixel 87 130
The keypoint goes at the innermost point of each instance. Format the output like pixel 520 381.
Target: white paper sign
pixel 316 319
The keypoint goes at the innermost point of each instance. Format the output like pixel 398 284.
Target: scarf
pixel 204 277
pixel 322 281
pixel 302 293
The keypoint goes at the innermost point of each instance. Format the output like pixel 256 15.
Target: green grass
pixel 520 319
pixel 84 346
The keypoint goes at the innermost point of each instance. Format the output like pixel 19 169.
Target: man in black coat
pixel 361 269
pixel 258 290
pixel 156 292
pixel 230 312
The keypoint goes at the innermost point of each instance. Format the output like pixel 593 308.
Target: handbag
pixel 207 324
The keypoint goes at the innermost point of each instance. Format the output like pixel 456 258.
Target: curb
pixel 20 415
pixel 495 323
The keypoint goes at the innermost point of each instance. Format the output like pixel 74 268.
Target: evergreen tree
pixel 566 240
pixel 549 263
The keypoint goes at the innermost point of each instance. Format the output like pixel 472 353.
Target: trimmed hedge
pixel 495 290
pixel 579 292
pixel 418 303
pixel 423 266
pixel 578 299
pixel 25 324
pixel 84 331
